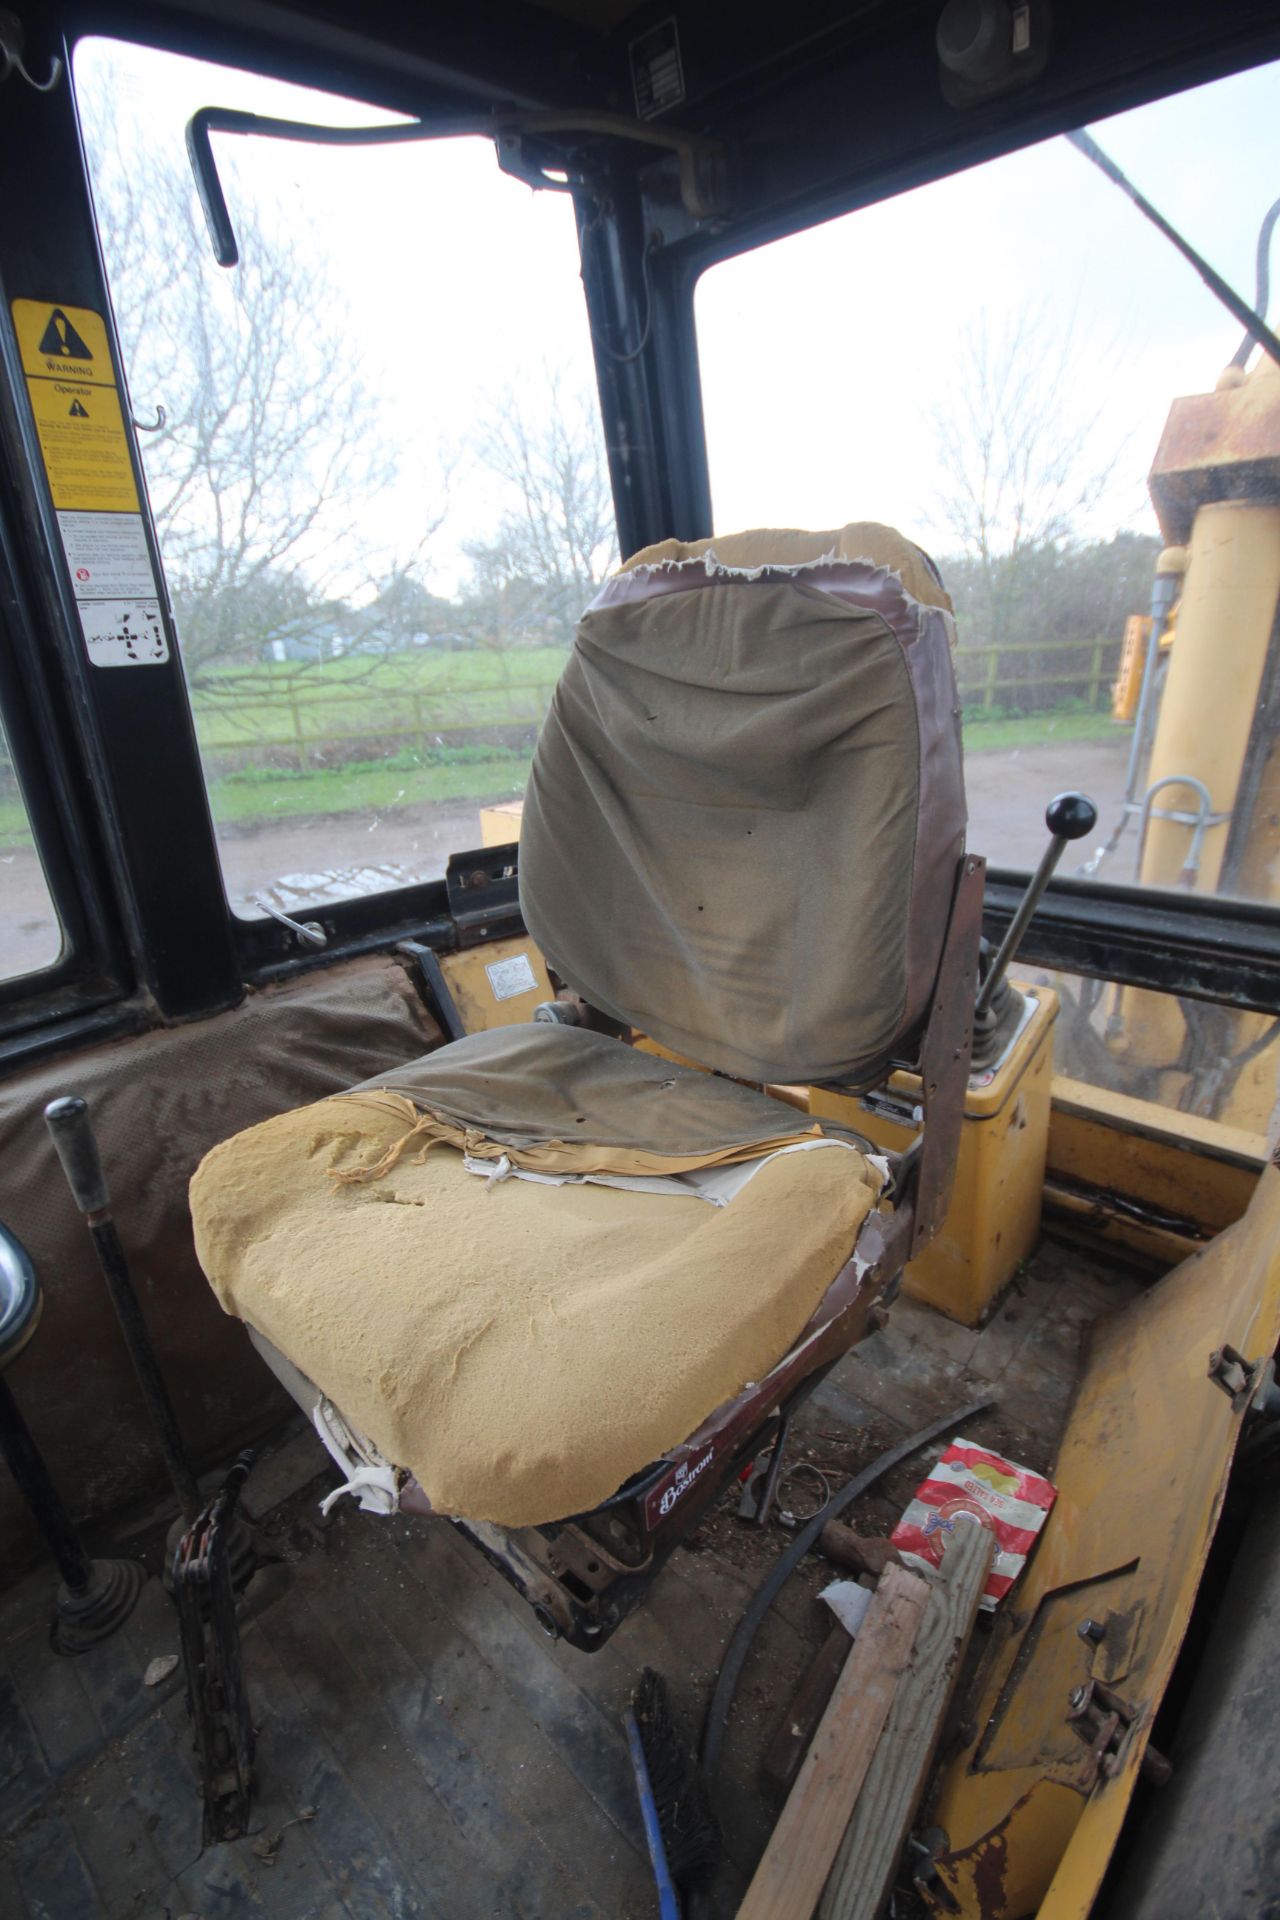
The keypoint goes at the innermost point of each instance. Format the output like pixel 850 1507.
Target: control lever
pixel 1068 816
pixel 72 1132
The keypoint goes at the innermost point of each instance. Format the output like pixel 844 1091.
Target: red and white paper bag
pixel 1011 1501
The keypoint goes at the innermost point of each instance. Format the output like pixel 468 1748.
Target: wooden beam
pixel 786 1750
pixel 789 1879
pixel 873 1842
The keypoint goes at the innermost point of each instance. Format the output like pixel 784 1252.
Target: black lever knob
pixel 68 1122
pixel 1070 816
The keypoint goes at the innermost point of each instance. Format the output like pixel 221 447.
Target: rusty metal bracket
pixel 1236 1376
pixel 1112 1639
pixel 1104 1722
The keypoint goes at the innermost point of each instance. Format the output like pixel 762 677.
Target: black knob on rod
pixel 72 1133
pixel 1068 816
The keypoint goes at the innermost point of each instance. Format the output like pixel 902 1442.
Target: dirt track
pixel 301 863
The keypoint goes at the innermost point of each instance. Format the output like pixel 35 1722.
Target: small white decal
pixel 107 556
pixel 685 1477
pixel 508 978
pixel 123 633
pixel 115 588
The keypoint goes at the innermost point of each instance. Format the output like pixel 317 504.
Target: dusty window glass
pixel 30 934
pixel 1190 1056
pixel 1020 372
pixel 379 482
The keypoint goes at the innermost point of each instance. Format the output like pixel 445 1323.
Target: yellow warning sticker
pixel 82 438
pixel 72 389
pixel 62 340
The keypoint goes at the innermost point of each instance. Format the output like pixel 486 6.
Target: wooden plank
pixel 786 1750
pixel 882 1815
pixel 789 1880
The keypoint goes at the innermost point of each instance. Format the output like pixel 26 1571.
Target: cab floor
pixel 423 1749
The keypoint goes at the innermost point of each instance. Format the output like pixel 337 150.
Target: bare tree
pixel 270 447
pixel 1024 451
pixel 1026 448
pixel 556 538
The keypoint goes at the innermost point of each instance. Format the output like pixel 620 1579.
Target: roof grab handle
pixel 536 147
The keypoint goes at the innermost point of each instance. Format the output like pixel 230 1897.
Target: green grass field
pixel 259 796
pixel 356 697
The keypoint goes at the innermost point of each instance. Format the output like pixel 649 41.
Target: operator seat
pixel 520 1271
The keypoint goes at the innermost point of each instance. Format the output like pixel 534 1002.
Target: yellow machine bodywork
pixel 498 984
pixel 500 823
pixel 1148 1181
pixel 994 1217
pixel 1215 483
pixel 1133 659
pixel 1032 1806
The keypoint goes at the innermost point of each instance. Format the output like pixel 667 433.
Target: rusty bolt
pixel 1094 1630
pixel 1153 1767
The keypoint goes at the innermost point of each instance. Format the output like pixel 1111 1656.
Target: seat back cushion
pixel 746 807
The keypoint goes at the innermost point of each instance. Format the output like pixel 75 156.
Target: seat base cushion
pixel 521 1348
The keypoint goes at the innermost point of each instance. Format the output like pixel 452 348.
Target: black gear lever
pixel 1068 816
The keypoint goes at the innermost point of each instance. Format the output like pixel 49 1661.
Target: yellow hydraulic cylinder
pixel 1210 703
pixel 1225 622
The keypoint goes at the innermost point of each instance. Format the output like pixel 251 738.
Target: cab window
pixel 996 364
pixel 373 457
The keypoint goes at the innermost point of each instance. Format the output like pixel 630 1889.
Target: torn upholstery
pixel 523 1349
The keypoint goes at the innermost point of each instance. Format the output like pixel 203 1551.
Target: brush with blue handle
pixel 678 1827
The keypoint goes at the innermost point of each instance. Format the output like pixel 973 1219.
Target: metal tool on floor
pixel 95 1596
pixel 72 1133
pixel 216 1698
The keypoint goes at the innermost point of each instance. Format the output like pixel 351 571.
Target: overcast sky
pixel 822 355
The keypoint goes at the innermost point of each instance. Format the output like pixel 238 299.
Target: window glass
pixel 1189 1055
pixel 379 482
pixel 1017 369
pixel 30 936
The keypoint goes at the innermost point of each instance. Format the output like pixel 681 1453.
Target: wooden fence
pixel 985 684
pixel 433 714
pixel 990 678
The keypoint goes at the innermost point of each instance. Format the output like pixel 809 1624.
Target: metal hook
pixel 155 425
pixel 310 932
pixel 12 41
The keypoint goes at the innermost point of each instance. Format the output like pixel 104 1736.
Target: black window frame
pixel 150 935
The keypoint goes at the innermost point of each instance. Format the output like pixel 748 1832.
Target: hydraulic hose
pixel 1262 296
pixel 747 1628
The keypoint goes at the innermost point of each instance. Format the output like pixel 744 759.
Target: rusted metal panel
pixel 1029 1809
pixel 1217 446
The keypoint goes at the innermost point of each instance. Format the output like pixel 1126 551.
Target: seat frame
pixel 584 1575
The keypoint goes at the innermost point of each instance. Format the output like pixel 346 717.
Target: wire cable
pixel 616 353
pixel 745 1632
